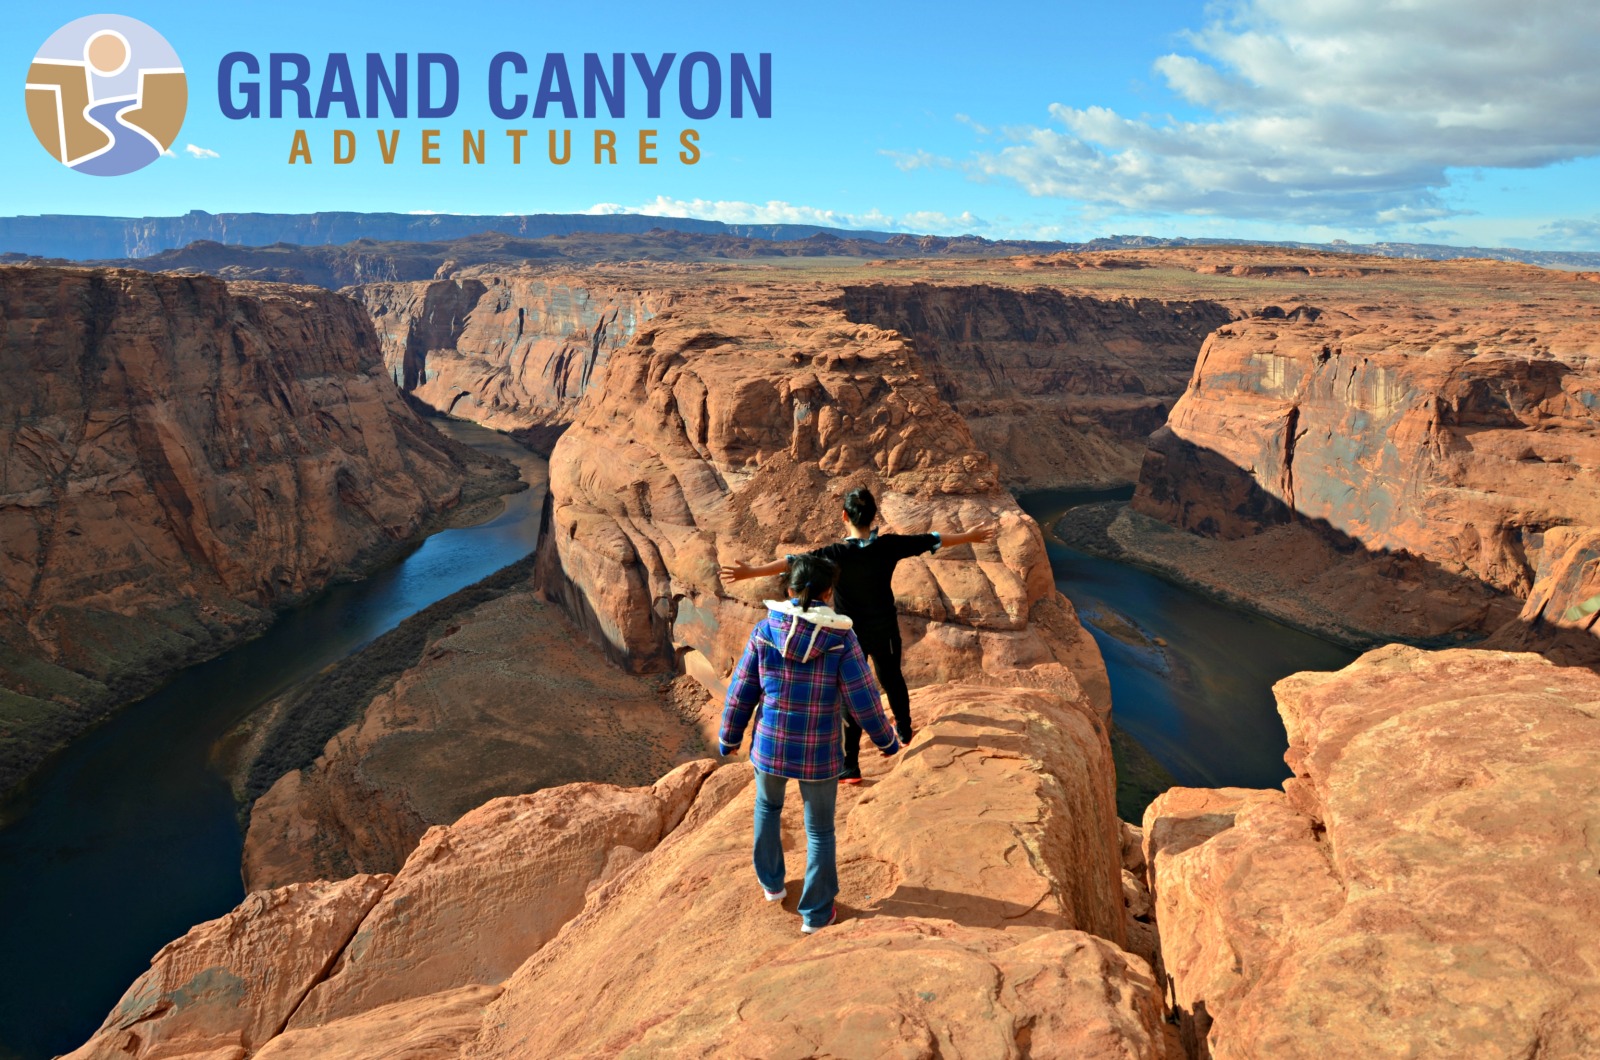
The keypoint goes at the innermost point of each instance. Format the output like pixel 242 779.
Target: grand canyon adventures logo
pixel 106 95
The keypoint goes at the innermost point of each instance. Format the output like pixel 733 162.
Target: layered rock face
pixel 503 349
pixel 595 920
pixel 180 457
pixel 730 429
pixel 1433 451
pixel 1424 886
pixel 1061 389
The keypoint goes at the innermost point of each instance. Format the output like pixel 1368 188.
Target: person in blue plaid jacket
pixel 803 666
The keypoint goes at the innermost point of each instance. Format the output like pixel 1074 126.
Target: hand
pixel 736 572
pixel 725 750
pixel 987 532
pixel 890 752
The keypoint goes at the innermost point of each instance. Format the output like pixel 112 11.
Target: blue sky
pixel 1463 121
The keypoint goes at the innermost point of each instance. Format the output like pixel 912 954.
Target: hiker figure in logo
pixel 866 561
pixel 803 667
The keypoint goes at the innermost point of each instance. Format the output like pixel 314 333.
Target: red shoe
pixel 851 775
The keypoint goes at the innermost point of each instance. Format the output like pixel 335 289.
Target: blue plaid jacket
pixel 802 668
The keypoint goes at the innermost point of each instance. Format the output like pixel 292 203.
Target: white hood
pixel 818 616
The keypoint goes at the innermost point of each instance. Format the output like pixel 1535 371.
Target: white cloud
pixel 917 160
pixel 167 152
pixel 779 212
pixel 1574 233
pixel 1333 112
pixel 981 130
pixel 201 152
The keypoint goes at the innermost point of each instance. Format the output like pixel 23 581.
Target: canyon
pixel 1060 390
pixel 1417 454
pixel 1395 450
pixel 510 351
pixel 181 458
pixel 1368 449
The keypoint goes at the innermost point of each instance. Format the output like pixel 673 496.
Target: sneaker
pixel 851 775
pixel 811 929
pixel 774 896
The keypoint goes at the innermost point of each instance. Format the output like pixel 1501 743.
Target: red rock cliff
pixel 181 456
pixel 1451 443
pixel 1061 389
pixel 592 920
pixel 505 349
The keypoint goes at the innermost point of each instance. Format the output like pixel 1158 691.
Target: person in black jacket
pixel 866 561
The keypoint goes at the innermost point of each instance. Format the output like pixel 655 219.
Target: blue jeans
pixel 822 872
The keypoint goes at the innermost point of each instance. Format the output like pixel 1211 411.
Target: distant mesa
pixel 106 95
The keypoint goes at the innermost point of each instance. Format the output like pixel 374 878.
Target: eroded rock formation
pixel 591 919
pixel 505 349
pixel 1061 389
pixel 178 457
pixel 1424 885
pixel 729 429
pixel 1432 452
pixel 1559 618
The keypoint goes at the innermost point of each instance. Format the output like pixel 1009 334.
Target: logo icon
pixel 106 95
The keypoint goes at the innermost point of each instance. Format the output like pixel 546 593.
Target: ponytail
pixel 860 508
pixel 810 577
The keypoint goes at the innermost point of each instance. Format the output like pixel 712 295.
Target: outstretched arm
pixel 986 532
pixel 739 571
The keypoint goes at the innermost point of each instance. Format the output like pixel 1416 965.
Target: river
pixel 130 837
pixel 1201 702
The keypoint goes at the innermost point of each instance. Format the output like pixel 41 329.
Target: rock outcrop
pixel 507 698
pixel 596 920
pixel 1428 453
pixel 1559 618
pixel 1425 885
pixel 180 457
pixel 1061 389
pixel 729 429
pixel 505 349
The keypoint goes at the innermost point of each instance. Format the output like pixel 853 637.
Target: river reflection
pixel 1201 703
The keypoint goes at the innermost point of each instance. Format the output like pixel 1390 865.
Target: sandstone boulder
pixel 968 922
pixel 562 923
pixel 477 897
pixel 1425 886
pixel 437 1027
pixel 729 429
pixel 230 985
